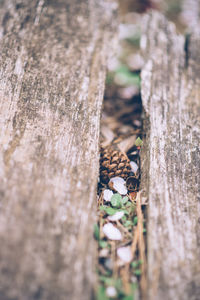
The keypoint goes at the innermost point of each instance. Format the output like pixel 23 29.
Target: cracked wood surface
pixel 53 58
pixel 171 159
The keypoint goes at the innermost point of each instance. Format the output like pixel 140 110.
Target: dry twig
pixel 141 247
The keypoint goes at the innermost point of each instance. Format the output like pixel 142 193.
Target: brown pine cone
pixel 113 163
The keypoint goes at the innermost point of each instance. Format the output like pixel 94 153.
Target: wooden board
pixel 52 73
pixel 171 159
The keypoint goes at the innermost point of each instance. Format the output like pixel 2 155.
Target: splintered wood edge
pixel 170 159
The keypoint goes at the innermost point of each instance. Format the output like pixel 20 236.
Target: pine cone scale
pixel 113 163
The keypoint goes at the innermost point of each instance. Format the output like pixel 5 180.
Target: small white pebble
pixel 111 232
pixel 119 185
pixel 104 252
pixel 134 166
pixel 117 180
pixel 107 194
pixel 117 216
pixel 121 189
pixel 125 254
pixel 111 292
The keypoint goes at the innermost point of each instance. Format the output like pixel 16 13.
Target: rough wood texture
pixel 171 164
pixel 53 58
pixel 191 13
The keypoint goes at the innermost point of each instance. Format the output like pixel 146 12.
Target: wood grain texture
pixel 52 73
pixel 171 159
pixel 190 12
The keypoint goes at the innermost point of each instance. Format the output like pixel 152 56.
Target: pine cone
pixel 113 163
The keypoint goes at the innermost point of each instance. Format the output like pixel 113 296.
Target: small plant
pixel 138 142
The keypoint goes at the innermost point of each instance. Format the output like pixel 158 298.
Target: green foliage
pixel 138 272
pixel 126 77
pixel 128 224
pixel 135 220
pixel 125 211
pixel 124 218
pixel 116 200
pixel 96 232
pixel 128 204
pixel 124 200
pixel 136 264
pixel 101 293
pixel 129 297
pixel 138 142
pixel 109 281
pixel 103 244
pixel 109 210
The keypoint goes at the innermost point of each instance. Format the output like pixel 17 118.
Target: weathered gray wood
pixel 52 72
pixel 190 11
pixel 171 159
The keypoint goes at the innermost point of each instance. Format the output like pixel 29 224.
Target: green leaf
pixel 118 284
pixel 109 210
pixel 129 297
pixel 128 204
pixel 103 244
pixel 102 207
pixel 138 272
pixel 135 220
pixel 128 223
pixel 106 280
pixel 124 218
pixel 144 230
pixel 134 286
pixel 110 281
pixel 124 200
pixel 101 293
pixel 116 200
pixel 126 77
pixel 125 211
pixel 96 232
pixel 138 142
pixel 136 264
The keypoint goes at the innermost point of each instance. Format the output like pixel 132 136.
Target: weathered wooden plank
pixel 171 159
pixel 52 72
pixel 190 12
